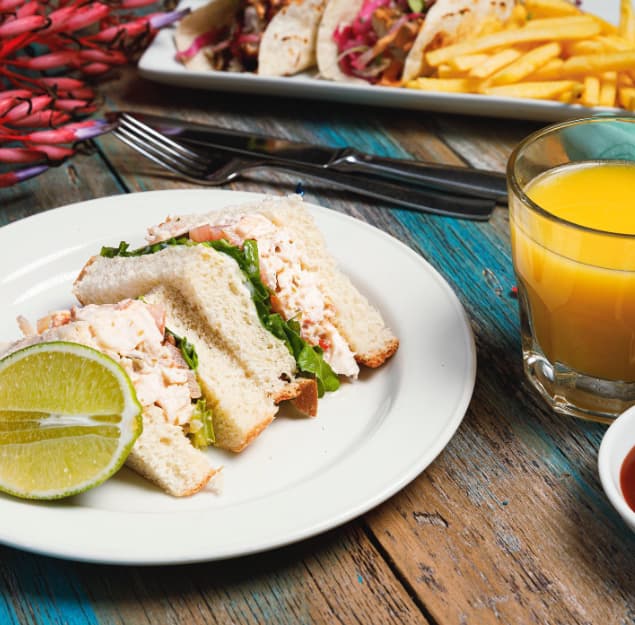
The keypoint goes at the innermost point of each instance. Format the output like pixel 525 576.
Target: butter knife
pixel 457 180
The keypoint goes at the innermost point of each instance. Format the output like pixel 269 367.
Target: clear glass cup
pixel 576 282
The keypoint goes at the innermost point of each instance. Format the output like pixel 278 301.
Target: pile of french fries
pixel 548 49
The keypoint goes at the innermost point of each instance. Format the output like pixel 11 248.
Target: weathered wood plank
pixel 42 591
pixel 510 524
pixel 482 142
pixel 334 578
pixel 81 178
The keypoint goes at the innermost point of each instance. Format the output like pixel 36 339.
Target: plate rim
pixel 451 423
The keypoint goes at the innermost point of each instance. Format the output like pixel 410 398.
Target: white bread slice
pixel 240 408
pixel 356 319
pixel 213 285
pixel 164 455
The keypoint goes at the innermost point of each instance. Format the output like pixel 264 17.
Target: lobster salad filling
pixel 133 334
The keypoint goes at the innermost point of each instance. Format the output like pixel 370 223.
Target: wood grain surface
pixel 508 525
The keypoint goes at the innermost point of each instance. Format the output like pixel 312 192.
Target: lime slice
pixel 69 416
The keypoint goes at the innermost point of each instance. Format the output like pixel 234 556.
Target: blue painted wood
pixel 44 591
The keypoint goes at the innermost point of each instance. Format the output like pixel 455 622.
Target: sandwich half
pixel 302 276
pixel 175 417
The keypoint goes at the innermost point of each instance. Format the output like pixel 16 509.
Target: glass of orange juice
pixel 572 223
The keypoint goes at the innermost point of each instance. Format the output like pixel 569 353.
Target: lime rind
pixel 129 426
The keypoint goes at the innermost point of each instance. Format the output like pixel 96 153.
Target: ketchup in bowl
pixel 627 478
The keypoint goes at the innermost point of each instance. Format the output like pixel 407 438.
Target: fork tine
pixel 159 156
pixel 160 140
pixel 165 151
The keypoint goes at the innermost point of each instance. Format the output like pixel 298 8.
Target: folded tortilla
pixel 445 22
pixel 286 46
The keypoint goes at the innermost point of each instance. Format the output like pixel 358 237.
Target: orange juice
pixel 577 272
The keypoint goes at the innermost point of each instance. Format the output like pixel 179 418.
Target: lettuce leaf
pixel 188 351
pixel 123 248
pixel 201 433
pixel 309 358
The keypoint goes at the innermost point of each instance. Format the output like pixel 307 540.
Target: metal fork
pixel 214 167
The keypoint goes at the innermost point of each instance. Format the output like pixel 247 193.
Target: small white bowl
pixel 618 440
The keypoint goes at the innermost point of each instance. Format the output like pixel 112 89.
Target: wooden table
pixel 508 525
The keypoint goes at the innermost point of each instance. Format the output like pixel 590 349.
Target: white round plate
pixel 301 476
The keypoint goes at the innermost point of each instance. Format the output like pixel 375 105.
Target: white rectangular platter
pixel 158 64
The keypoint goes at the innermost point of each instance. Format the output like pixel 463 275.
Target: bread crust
pixel 82 274
pixel 187 492
pixel 307 400
pixel 303 393
pixel 188 469
pixel 377 359
pixel 253 433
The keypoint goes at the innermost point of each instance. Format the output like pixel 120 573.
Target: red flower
pixel 50 53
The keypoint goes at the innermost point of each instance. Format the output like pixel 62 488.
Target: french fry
pixel 518 16
pixel 467 62
pixel 494 63
pixel 606 27
pixel 560 23
pixel 624 79
pixel 569 96
pixel 585 46
pixel 591 92
pixel 579 30
pixel 551 8
pixel 447 71
pixel 626 98
pixel 598 45
pixel 551 70
pixel 598 63
pixel 488 26
pixel 616 43
pixel 447 85
pixel 608 89
pixel 573 95
pixel 527 64
pixel 627 20
pixel 548 90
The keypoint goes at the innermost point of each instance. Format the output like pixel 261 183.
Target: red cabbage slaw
pixel 356 52
pixel 201 41
pixel 235 45
pixel 209 41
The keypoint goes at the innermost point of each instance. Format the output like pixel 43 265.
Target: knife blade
pixel 457 180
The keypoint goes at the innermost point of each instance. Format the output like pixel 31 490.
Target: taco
pixel 384 41
pixel 268 37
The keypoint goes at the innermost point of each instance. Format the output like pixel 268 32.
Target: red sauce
pixel 627 478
